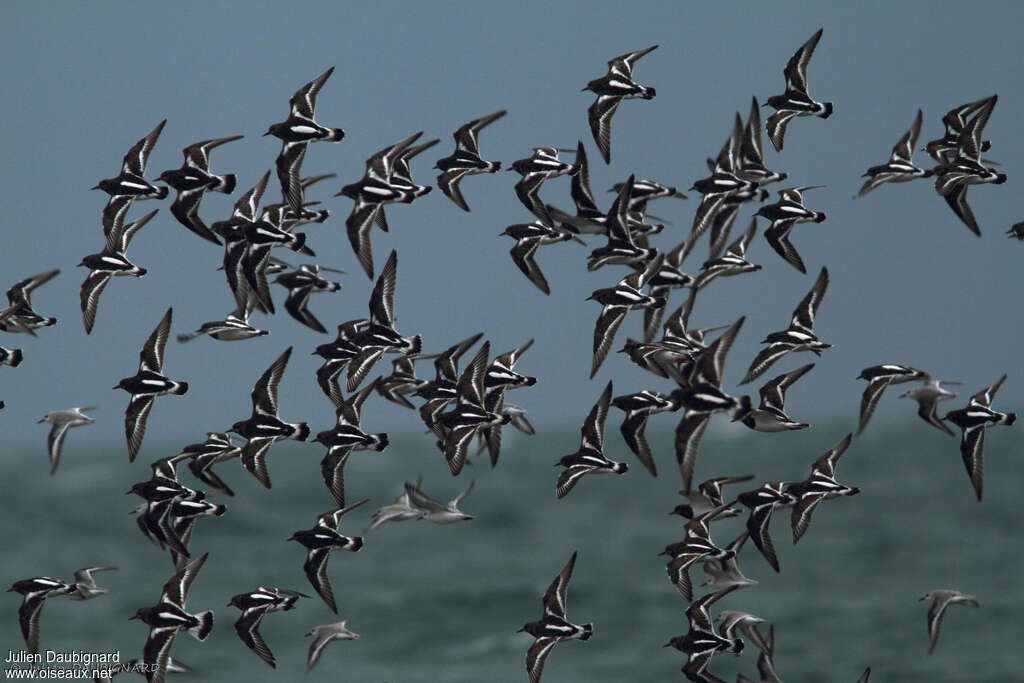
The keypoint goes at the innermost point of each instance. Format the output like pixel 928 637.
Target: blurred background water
pixel 442 603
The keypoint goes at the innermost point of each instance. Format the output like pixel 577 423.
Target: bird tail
pixel 588 630
pixel 382 441
pixel 225 183
pixel 205 625
pixel 336 135
pixel 303 432
pixel 180 389
pixel 15 358
pixel 1008 419
pixel 299 242
pixel 417 345
pixel 357 544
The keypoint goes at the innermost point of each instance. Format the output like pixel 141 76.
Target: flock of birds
pixel 467 408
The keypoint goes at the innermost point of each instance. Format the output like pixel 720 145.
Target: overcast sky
pixel 909 285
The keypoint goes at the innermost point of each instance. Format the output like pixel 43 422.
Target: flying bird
pixel 795 101
pixel 973 421
pixel 148 383
pixel 611 89
pixel 941 599
pixel 553 627
pixel 799 336
pixel 264 428
pixel 108 263
pixel 192 181
pixel 466 159
pixel 60 422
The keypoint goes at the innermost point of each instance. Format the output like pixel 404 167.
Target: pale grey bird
pixel 62 421
pixel 730 621
pixel 437 512
pixel 323 635
pixel 941 599
pixel 399 511
pixel 726 572
pixel 927 396
pixel 84 585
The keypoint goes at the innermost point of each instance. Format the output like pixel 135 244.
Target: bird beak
pixel 41 421
pixel 667 645
pixel 95 187
pixel 265 134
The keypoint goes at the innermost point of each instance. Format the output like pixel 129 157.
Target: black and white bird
pixel 967 168
pixel 19 316
pixel 553 627
pixel 750 161
pixel 109 263
pixel 319 541
pixel 345 437
pixel 900 168
pixel 255 605
pixel 264 428
pixel 589 458
pixel 616 302
pixel 457 427
pixel 621 248
pixel 973 421
pixel 795 101
pixel 295 132
pixel 466 159
pixel 707 497
pixel 403 380
pixel 35 592
pixel 611 89
pixel 697 546
pixel 943 150
pixel 723 183
pixel 732 262
pixel 702 396
pixel 878 378
pixel 784 214
pixel 639 407
pixel 770 415
pixel 702 642
pixel 535 169
pixel 130 184
pixel 148 383
pixel 821 485
pixel 529 237
pixel 380 336
pixel 192 181
pixel 301 283
pixel 762 501
pixel 168 617
pixel 799 336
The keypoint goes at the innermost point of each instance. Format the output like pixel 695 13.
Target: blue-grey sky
pixel 910 284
